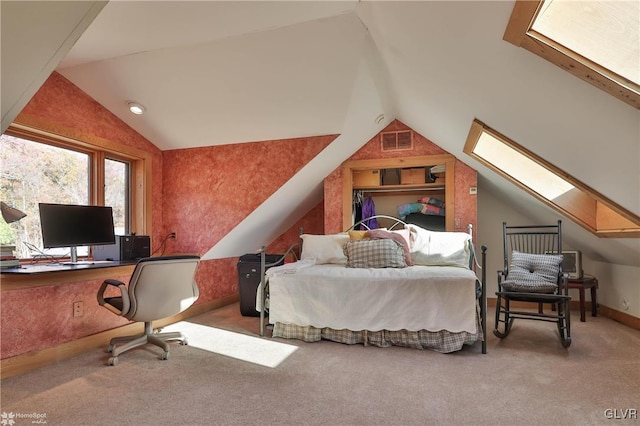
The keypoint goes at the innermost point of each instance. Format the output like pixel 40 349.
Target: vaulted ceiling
pixel 214 72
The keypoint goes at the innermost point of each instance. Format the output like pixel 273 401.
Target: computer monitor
pixel 67 225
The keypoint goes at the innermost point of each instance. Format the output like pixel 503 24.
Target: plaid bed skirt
pixel 440 341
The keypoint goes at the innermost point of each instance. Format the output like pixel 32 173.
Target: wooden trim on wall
pixel 605 311
pixel 520 21
pixel 621 317
pixel 447 160
pixel 520 33
pixel 24 363
pixel 347 195
pixel 141 163
pixel 579 204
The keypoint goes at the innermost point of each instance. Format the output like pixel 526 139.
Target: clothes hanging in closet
pixel 369 210
pixel 356 206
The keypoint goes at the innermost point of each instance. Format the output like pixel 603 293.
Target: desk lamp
pixel 10 214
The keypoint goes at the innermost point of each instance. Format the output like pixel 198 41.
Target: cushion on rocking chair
pixel 533 273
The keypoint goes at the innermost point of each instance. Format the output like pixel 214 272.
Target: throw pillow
pixel 357 235
pixel 437 248
pixel 533 273
pixel 375 253
pixel 324 248
pixel 396 236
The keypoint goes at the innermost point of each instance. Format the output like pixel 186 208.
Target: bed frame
pixel 296 249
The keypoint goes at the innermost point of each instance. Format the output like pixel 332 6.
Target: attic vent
pixel 397 141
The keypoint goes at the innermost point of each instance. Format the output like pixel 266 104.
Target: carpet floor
pixel 228 375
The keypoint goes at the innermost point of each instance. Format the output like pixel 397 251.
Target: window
pixel 540 178
pixel 598 40
pixel 116 192
pixel 38 167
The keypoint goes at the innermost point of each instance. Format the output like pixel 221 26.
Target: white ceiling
pixel 212 72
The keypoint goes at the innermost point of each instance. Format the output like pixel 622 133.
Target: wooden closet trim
pixel 447 160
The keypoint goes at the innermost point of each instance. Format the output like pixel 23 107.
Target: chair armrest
pixel 124 294
pixel 111 281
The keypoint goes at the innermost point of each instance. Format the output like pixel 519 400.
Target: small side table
pixel 581 284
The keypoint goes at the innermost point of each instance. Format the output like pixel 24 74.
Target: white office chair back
pixel 161 287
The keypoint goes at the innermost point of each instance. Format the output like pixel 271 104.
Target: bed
pixel 401 286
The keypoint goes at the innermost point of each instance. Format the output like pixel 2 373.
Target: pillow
pixel 374 253
pixel 405 233
pixel 436 248
pixel 324 248
pixel 357 235
pixel 533 273
pixel 396 236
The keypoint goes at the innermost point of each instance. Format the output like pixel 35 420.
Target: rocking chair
pixel 533 273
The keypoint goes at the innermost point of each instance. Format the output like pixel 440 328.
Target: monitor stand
pixel 74 258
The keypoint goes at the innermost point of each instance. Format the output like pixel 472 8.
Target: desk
pixel 40 268
pixel 581 284
pixel 37 275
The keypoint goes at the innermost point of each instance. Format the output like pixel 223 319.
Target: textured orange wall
pixel 208 191
pixel 215 186
pixel 311 223
pixel 42 317
pixel 465 177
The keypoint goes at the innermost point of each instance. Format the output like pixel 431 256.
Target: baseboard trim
pixel 605 311
pixel 621 317
pixel 29 361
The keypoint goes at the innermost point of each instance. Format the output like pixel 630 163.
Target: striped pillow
pixel 533 273
pixel 375 253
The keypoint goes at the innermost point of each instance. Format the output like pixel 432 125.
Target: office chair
pixel 159 288
pixel 533 273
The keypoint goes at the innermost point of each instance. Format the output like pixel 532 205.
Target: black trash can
pixel 249 280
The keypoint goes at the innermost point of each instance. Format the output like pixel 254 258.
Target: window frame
pixel 128 169
pixel 520 33
pixel 589 208
pixel 98 150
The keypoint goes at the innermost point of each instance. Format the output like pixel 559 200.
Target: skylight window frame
pixel 589 208
pixel 520 33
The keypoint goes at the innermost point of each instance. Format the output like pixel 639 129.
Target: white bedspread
pixel 415 298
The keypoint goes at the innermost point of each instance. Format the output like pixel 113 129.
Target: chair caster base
pixel 164 356
pixel 112 361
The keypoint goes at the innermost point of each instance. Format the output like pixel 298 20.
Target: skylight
pixel 522 168
pixel 597 41
pixel 549 184
pixel 607 32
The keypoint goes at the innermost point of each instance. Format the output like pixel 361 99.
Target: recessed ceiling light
pixel 136 108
